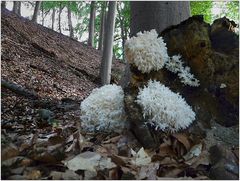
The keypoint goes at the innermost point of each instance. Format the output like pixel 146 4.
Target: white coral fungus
pixel 163 108
pixel 175 65
pixel 103 109
pixel 147 51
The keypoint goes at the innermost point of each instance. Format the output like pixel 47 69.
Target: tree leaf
pixel 141 158
pixel 182 138
pixel 89 161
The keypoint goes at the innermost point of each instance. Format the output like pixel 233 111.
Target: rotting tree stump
pixel 213 61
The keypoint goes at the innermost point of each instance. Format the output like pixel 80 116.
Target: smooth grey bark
pixel 91 24
pixel 106 62
pixel 59 18
pixel 19 8
pixel 36 11
pixel 147 15
pixel 15 6
pixel 42 16
pixel 53 17
pixel 70 21
pixel 3 4
pixel 101 34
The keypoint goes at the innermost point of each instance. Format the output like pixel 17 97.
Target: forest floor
pixel 47 76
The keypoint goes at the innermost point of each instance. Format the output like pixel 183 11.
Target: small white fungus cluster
pixel 163 108
pixel 103 109
pixel 175 65
pixel 147 51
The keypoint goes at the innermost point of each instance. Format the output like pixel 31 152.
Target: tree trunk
pixel 147 15
pixel 3 4
pixel 106 62
pixel 91 24
pixel 53 18
pixel 101 35
pixel 36 10
pixel 59 18
pixel 42 16
pixel 70 22
pixel 121 20
pixel 15 7
pixel 157 14
pixel 19 8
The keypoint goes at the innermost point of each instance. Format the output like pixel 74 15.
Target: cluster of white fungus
pixel 163 108
pixel 147 51
pixel 175 65
pixel 103 110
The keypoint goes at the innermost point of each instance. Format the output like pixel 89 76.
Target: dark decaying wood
pixel 18 89
pixel 212 60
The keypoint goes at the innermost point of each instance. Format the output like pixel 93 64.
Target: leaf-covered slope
pixel 49 63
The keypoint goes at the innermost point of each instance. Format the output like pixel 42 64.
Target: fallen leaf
pixel 9 152
pixel 33 175
pixel 141 158
pixel 169 162
pixel 105 163
pixel 113 174
pixel 89 161
pixel 17 177
pixel 56 140
pixel 67 175
pixel 120 160
pixel 17 171
pixel 107 149
pixel 148 172
pixel 173 172
pixel 183 139
pixel 165 150
pixel 195 151
pixel 18 159
pixel 202 159
pixel 46 158
pixel 113 139
pixel 89 175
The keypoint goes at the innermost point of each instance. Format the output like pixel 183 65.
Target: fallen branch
pixel 18 89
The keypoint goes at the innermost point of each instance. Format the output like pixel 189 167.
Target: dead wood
pixel 18 89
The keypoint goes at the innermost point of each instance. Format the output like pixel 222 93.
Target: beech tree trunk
pixel 147 15
pixel 106 62
pixel 59 19
pixel 123 29
pixel 70 21
pixel 36 11
pixel 3 4
pixel 101 35
pixel 91 24
pixel 15 6
pixel 19 8
pixel 53 18
pixel 42 16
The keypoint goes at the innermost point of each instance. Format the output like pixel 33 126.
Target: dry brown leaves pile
pixel 60 150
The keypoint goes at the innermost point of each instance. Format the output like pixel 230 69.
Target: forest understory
pixel 44 77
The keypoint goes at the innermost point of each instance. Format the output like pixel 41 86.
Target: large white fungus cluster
pixel 175 65
pixel 163 108
pixel 103 109
pixel 147 51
